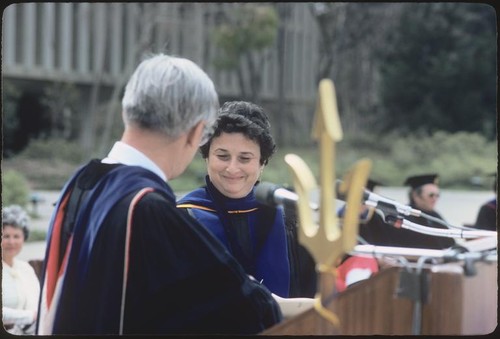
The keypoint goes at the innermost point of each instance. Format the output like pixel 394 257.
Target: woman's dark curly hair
pixel 248 119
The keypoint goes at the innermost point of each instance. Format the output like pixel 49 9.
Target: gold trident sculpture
pixel 326 241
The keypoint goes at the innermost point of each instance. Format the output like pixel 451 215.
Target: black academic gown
pixel 420 240
pixel 179 278
pixel 487 216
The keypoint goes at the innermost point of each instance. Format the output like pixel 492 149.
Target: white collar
pixel 125 154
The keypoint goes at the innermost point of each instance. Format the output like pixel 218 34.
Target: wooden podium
pixel 456 305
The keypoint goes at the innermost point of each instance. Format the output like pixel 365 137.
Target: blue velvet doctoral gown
pixel 253 232
pixel 180 279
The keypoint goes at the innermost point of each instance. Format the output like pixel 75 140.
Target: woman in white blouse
pixel 20 285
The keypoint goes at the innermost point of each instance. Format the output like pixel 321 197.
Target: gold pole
pixel 326 241
pixel 327 130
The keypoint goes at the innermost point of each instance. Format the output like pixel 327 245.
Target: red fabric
pixel 354 262
pixel 53 269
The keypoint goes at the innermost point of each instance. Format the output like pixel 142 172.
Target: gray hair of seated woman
pixel 15 216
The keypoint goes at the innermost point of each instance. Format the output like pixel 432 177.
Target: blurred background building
pixel 91 49
pixel 407 68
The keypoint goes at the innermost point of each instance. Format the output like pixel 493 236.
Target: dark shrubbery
pixel 46 164
pixel 456 157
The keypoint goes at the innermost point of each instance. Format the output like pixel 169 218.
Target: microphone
pixel 273 195
pixel 372 199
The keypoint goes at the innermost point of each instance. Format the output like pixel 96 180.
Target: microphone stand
pixel 444 223
pixel 392 208
pixel 447 255
pixel 414 284
pixel 449 233
pixel 393 217
pixel 459 253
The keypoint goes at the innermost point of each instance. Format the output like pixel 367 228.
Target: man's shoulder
pixel 154 197
pixel 115 188
pixel 119 179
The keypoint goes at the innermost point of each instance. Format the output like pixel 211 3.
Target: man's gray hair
pixel 169 94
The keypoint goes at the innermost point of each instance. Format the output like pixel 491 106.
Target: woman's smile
pixel 233 164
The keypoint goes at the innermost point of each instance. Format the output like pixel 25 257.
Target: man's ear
pixel 195 134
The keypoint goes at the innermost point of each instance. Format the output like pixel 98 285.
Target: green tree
pixel 243 38
pixel 15 189
pixel 349 35
pixel 439 70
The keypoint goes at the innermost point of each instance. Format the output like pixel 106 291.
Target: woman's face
pixel 12 242
pixel 233 164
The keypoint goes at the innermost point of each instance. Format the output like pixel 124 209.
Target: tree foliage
pixel 242 37
pixel 15 188
pixel 350 34
pixel 439 70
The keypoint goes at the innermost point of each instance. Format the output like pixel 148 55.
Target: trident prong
pixel 324 248
pixel 326 241
pixel 328 130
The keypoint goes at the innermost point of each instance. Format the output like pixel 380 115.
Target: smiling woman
pixel 255 234
pixel 20 286
pixel 234 164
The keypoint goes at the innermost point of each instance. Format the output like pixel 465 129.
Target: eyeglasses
pixel 433 195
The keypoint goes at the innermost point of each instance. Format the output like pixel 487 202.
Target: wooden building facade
pixel 88 43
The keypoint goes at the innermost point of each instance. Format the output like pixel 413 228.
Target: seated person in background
pixel 20 285
pixel 254 233
pixel 487 216
pixel 423 195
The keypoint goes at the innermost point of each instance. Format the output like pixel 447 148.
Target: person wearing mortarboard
pixel 424 192
pixel 423 196
pixel 487 216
